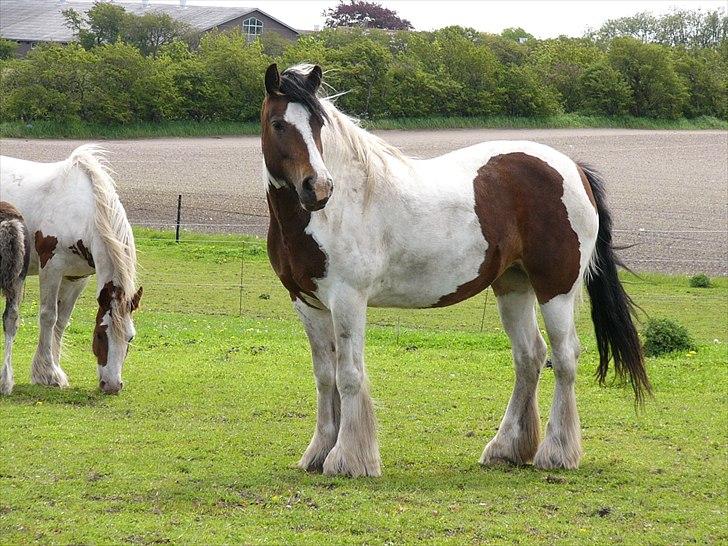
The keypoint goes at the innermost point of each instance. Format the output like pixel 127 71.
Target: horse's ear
pixel 313 80
pixel 137 297
pixel 272 80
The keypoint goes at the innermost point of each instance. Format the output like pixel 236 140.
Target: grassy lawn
pixel 46 129
pixel 218 406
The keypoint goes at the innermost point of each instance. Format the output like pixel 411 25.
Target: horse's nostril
pixel 102 384
pixel 308 183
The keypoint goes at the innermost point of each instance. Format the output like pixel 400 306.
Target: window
pixel 253 28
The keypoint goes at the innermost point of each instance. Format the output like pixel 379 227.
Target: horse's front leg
pixel 68 293
pixel 320 331
pixel 356 452
pixel 44 370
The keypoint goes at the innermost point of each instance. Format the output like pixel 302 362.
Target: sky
pixel 542 18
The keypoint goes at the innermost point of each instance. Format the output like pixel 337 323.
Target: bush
pixel 701 280
pixel 603 91
pixel 664 336
pixel 657 90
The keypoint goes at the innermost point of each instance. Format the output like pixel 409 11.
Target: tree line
pixel 122 73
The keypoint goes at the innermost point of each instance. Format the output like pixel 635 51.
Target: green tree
pixel 51 83
pixel 525 94
pixel 561 63
pixel 104 23
pixel 151 31
pixel 474 68
pixel 649 71
pixel 603 91
pixel 516 34
pixel 8 49
pixel 706 81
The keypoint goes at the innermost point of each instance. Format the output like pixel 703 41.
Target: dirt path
pixel 668 189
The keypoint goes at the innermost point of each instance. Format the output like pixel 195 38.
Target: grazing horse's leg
pixel 562 446
pixel 44 370
pixel 520 430
pixel 68 293
pixel 10 327
pixel 320 330
pixel 356 452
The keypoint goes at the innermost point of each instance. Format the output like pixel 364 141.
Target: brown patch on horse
pixel 80 250
pixel 522 218
pixel 45 247
pixel 9 212
pixel 101 338
pixel 295 255
pixel 587 186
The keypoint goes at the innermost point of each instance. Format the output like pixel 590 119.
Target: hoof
pixel 552 455
pixel 339 463
pixel 55 377
pixel 6 387
pixel 315 455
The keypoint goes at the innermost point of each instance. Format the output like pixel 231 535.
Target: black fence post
pixel 179 214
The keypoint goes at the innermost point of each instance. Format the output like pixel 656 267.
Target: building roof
pixel 42 20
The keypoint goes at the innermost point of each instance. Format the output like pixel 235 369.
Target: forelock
pixel 293 86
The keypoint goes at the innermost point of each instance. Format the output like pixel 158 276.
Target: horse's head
pixel 291 121
pixel 113 333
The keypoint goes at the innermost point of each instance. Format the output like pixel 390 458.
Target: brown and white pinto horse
pixel 78 227
pixel 354 223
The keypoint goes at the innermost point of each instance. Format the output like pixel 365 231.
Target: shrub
pixel 701 280
pixel 603 91
pixel 664 336
pixel 657 89
pixel 8 49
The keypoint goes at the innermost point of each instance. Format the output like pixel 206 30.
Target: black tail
pixel 611 306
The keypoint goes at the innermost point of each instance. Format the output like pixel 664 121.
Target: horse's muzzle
pixel 316 205
pixel 110 388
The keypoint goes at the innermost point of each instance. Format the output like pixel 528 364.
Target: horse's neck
pixel 286 212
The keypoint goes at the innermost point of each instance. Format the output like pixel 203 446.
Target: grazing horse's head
pixel 113 333
pixel 291 121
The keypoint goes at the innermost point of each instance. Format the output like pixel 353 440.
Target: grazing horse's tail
pixel 14 252
pixel 611 306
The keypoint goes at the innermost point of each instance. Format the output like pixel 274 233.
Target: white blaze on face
pixel 298 116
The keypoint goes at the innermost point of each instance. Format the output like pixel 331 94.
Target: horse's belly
pixel 417 282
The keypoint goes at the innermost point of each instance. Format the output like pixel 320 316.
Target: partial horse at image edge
pixel 354 223
pixel 14 261
pixel 78 227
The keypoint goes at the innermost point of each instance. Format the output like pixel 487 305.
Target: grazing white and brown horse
pixel 354 223
pixel 78 227
pixel 14 261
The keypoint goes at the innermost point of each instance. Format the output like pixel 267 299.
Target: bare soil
pixel 668 189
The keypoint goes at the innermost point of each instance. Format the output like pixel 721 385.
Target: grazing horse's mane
pixel 110 219
pixel 340 132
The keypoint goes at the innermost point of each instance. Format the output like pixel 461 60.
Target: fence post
pixel 179 215
pixel 240 286
pixel 485 302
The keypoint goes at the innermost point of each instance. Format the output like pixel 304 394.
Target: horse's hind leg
pixel 561 447
pixel 11 318
pixel 44 370
pixel 320 331
pixel 520 430
pixel 67 295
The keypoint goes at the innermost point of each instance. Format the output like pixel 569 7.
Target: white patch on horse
pixel 298 116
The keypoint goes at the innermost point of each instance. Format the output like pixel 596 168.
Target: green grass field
pixel 47 129
pixel 218 406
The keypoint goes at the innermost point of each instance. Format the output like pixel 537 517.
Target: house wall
pixel 269 25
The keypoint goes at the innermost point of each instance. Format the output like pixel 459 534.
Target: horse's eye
pixel 131 339
pixel 278 126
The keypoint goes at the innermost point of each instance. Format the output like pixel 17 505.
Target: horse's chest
pixel 298 261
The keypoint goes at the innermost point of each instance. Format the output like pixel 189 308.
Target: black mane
pixel 294 86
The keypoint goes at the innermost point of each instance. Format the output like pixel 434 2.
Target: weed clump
pixel 663 336
pixel 701 280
